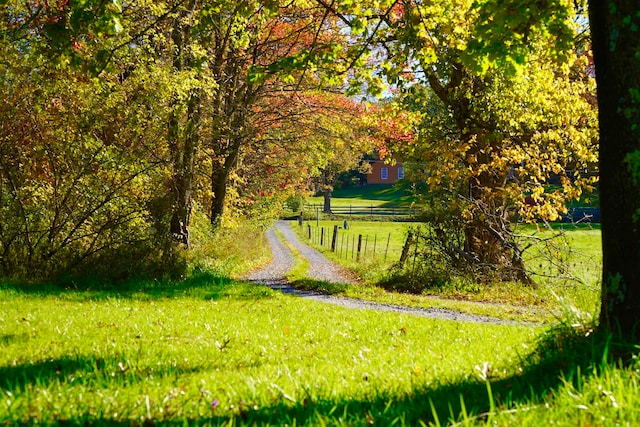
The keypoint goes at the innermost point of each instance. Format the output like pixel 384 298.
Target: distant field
pixel 367 195
pixel 382 241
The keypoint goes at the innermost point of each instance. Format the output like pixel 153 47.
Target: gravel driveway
pixel 320 268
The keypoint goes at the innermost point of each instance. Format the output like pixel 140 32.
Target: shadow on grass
pixel 329 288
pixel 560 362
pixel 89 370
pixel 202 285
pixel 560 358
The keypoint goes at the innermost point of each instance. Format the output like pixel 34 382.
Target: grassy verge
pixel 231 252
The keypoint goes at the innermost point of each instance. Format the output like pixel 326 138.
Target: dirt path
pixel 320 268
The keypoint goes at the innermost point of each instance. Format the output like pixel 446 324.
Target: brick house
pixel 384 173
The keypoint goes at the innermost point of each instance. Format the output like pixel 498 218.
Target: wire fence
pixel 346 245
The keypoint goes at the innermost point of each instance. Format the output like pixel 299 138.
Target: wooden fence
pixel 362 210
pixel 346 245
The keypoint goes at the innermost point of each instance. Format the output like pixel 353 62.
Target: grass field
pixel 208 351
pixel 216 349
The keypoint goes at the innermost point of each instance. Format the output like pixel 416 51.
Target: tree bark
pixel 488 236
pixel 183 175
pixel 219 181
pixel 183 146
pixel 615 46
pixel 326 207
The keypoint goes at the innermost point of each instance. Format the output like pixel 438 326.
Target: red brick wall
pixel 375 177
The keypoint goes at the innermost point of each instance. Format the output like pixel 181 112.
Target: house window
pixel 400 172
pixel 384 173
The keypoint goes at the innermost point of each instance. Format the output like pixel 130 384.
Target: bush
pixel 295 203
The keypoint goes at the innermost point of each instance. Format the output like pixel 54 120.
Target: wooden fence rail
pixel 352 210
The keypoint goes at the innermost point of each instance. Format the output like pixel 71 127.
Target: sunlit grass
pixel 368 195
pixel 210 351
pixel 217 350
pixel 231 251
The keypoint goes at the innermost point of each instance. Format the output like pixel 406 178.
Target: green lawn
pixel 170 352
pixel 367 195
pixel 212 352
pixel 207 350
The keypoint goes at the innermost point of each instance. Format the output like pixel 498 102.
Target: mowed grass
pixel 207 350
pixel 574 291
pixel 367 195
pixel 211 351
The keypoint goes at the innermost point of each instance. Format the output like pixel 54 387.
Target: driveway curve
pixel 320 268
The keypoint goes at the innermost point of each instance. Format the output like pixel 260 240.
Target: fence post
pixel 346 252
pixel 334 239
pixel 353 242
pixel 405 249
pixel 322 236
pixel 375 241
pixel 415 255
pixel 309 230
pixel 359 246
pixel 387 248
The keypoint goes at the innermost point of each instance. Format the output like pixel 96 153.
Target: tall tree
pixel 616 48
pixel 616 45
pixel 184 121
pixel 256 51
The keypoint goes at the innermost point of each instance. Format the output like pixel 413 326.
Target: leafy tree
pixel 335 131
pixel 616 42
pixel 258 51
pixel 300 136
pixel 76 172
pixel 488 139
pixel 86 102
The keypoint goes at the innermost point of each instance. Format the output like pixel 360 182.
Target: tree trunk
pixel 489 243
pixel 183 146
pixel 326 208
pixel 219 181
pixel 183 175
pixel 616 45
pixel 218 194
